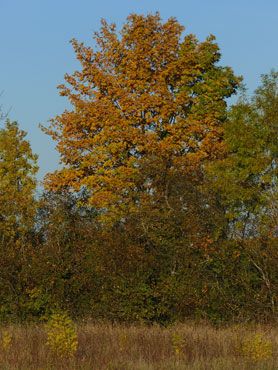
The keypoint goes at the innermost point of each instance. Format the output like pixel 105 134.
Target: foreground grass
pixel 184 346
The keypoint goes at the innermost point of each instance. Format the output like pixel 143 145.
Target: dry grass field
pixel 105 346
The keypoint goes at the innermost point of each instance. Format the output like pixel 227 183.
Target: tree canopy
pixel 18 168
pixel 143 92
pixel 247 176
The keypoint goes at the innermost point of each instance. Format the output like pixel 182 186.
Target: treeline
pixel 166 206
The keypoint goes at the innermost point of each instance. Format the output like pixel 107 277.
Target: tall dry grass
pixel 118 347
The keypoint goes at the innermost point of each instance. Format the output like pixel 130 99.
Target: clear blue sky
pixel 35 50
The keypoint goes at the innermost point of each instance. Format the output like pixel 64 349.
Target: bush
pixel 61 335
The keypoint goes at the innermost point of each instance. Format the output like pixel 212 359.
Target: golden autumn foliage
pixel 143 92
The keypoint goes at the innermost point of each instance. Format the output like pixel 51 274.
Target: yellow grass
pixel 118 347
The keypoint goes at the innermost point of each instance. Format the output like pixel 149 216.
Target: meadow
pixel 121 347
pixel 160 222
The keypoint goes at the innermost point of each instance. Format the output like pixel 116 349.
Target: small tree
pixel 18 167
pixel 247 176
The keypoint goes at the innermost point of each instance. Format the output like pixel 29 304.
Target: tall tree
pixel 144 92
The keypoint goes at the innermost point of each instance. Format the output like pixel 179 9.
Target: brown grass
pixel 104 346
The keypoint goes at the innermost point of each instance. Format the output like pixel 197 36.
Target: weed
pixel 257 347
pixel 61 335
pixel 6 340
pixel 178 343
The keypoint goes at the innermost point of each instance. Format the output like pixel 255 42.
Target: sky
pixel 35 52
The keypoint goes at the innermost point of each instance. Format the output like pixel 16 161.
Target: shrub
pixel 61 335
pixel 178 343
pixel 257 347
pixel 6 340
